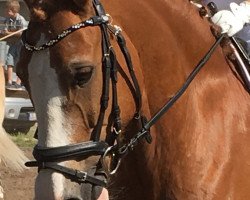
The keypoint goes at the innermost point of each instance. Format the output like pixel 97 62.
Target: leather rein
pixel 47 157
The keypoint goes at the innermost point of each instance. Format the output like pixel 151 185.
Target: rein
pixel 144 131
pixel 47 158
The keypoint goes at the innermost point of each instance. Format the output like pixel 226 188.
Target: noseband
pixel 46 158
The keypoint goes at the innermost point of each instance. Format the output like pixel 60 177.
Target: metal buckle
pixel 108 53
pixel 137 116
pixel 117 132
pixel 114 29
pixel 105 165
pixel 105 18
pixel 110 19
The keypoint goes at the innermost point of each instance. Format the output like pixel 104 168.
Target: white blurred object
pixel 1 193
pixel 242 11
pixel 231 22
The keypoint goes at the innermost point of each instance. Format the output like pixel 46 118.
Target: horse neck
pixel 178 38
pixel 184 37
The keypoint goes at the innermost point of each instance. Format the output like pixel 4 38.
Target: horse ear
pixel 37 12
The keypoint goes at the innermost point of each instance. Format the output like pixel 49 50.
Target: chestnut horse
pixel 199 148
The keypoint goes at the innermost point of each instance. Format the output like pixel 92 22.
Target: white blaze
pixel 48 100
pixel 53 128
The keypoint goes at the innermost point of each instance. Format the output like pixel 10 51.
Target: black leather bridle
pixel 46 158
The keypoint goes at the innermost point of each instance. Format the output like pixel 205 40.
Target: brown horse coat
pixel 200 148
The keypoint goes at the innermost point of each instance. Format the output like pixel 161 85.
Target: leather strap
pixel 84 149
pixel 106 67
pixel 75 175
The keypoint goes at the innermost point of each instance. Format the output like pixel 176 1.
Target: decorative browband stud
pixel 93 21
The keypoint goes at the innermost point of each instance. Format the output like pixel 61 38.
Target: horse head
pixel 67 64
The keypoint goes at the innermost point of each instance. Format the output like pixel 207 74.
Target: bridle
pixel 46 158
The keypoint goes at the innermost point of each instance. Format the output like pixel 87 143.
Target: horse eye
pixel 82 75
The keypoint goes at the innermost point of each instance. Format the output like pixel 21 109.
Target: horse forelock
pixel 41 10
